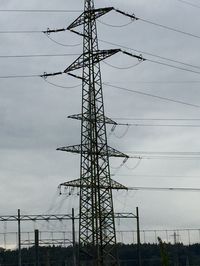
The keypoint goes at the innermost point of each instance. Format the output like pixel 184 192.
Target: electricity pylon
pixel 97 235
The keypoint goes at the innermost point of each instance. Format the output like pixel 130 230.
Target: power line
pixel 158 24
pixel 155 125
pixel 166 189
pixel 152 95
pixel 158 176
pixel 157 119
pixel 37 55
pixel 159 82
pixel 162 63
pixel 121 68
pixel 60 86
pixel 41 10
pixel 165 152
pixel 18 76
pixel 20 31
pixel 165 157
pixel 188 3
pixel 62 44
pixel 115 26
pixel 157 56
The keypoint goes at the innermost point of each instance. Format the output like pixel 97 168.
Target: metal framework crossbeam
pixel 83 150
pixel 77 183
pixel 40 217
pixel 100 119
pixel 91 14
pixel 85 59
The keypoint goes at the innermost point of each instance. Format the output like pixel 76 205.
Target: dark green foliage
pixel 59 256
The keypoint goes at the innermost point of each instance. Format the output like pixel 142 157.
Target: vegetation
pixel 151 255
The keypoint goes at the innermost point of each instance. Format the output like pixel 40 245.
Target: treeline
pixel 151 255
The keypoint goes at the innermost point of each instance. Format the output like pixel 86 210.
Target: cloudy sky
pixel 33 113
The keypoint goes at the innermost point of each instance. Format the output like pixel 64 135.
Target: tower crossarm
pixel 78 149
pixel 92 14
pixel 84 59
pixel 100 119
pixel 77 183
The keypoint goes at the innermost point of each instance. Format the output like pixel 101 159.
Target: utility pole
pixel 97 235
pixel 138 237
pixel 73 238
pixel 36 247
pixel 19 238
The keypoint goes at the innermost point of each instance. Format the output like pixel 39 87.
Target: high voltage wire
pixel 165 152
pixel 122 46
pixel 158 119
pixel 158 82
pixel 154 125
pixel 162 63
pixel 124 89
pixel 121 12
pixel 189 3
pixel 162 156
pixel 20 31
pixel 158 24
pixel 41 10
pixel 151 95
pixel 117 87
pixel 166 189
pixel 158 176
pixel 166 157
pixel 18 76
pixel 37 55
pixel 158 62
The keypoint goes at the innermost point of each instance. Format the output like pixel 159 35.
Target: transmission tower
pixel 97 235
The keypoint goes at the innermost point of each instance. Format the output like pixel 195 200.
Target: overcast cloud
pixel 33 114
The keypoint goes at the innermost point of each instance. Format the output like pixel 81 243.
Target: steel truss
pixel 97 236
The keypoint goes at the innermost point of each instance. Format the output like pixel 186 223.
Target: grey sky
pixel 33 114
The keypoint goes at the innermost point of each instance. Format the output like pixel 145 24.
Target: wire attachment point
pixel 45 75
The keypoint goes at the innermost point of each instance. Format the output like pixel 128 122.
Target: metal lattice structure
pixel 97 236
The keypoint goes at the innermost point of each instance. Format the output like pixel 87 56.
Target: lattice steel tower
pixel 97 236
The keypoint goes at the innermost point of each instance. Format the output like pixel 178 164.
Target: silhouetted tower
pixel 97 236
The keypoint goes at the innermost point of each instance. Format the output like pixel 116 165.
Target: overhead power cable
pixel 160 82
pixel 151 95
pixel 18 76
pixel 189 3
pixel 163 63
pixel 121 68
pixel 61 86
pixel 135 175
pixel 115 26
pixel 37 55
pixel 151 54
pixel 156 119
pixel 154 61
pixel 155 125
pixel 165 152
pixel 166 157
pixel 158 24
pixel 183 189
pixel 41 10
pixel 20 31
pixel 62 44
